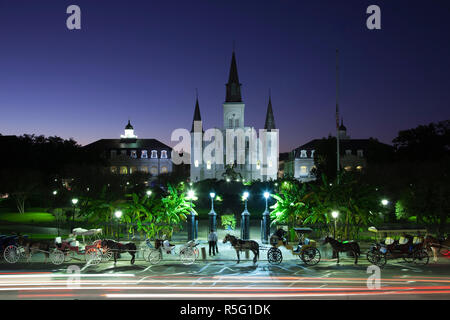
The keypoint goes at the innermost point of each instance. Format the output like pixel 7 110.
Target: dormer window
pixel 303 154
pixel 134 154
pixel 360 153
pixel 163 154
pixel 144 154
pixel 348 152
pixel 154 154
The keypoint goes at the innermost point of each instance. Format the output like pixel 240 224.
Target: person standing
pixel 212 240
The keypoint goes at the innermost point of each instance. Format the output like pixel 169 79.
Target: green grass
pixel 27 217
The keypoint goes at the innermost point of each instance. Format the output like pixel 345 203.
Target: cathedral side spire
pixel 233 86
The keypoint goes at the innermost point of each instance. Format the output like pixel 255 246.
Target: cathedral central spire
pixel 270 120
pixel 233 85
pixel 197 116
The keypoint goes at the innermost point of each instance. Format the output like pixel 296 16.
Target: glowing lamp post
pixel 335 215
pixel 245 219
pixel 192 224
pixel 118 215
pixel 384 202
pixel 212 214
pixel 265 222
pixel 148 193
pixel 74 203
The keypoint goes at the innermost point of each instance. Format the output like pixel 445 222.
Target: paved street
pixel 223 279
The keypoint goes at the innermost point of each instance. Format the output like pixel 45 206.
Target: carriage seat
pixel 167 246
pixel 403 240
pixel 74 243
pixel 389 241
pixel 417 240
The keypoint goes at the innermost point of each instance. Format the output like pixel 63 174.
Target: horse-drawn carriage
pixel 306 248
pixel 20 247
pixel 398 244
pixel 154 254
pixel 71 248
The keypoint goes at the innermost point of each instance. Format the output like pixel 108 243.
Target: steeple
pixel 342 127
pixel 233 85
pixel 270 120
pixel 197 116
pixel 129 132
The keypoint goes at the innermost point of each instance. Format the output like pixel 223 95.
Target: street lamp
pixel 192 234
pixel 74 203
pixel 149 193
pixel 212 214
pixel 335 215
pixel 384 202
pixel 245 219
pixel 265 223
pixel 55 192
pixel 118 215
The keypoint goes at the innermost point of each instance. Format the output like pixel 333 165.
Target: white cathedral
pixel 251 158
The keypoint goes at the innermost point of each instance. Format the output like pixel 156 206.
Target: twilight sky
pixel 143 59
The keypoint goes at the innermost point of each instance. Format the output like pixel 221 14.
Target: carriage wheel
pixel 421 257
pixel 93 256
pixel 57 257
pixel 106 255
pixel 274 256
pixel 378 259
pixel 12 254
pixel 187 256
pixel 370 256
pixel 154 256
pixel 310 256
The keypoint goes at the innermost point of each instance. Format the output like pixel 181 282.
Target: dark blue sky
pixel 143 60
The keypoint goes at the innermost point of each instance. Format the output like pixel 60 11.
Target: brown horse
pixel 241 245
pixel 337 246
pixel 443 245
pixel 32 246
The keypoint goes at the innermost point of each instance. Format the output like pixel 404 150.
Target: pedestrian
pixel 212 240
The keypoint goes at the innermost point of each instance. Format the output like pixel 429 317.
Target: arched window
pixel 113 169
pixel 164 169
pixel 154 170
pixel 144 154
pixel 163 154
pixel 123 170
pixel 154 154
pixel 144 169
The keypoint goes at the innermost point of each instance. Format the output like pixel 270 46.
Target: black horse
pixel 351 246
pixel 241 245
pixel 117 248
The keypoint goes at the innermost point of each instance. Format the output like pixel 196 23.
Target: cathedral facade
pixel 236 151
